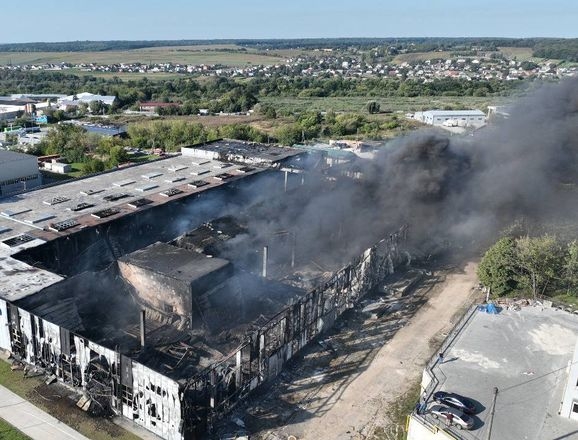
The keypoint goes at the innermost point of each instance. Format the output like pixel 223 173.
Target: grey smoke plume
pixel 461 188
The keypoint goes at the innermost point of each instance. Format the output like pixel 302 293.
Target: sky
pixel 72 20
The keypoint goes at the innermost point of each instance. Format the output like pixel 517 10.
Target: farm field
pixel 214 54
pixel 359 103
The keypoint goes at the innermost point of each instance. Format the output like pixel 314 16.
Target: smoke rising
pixel 463 189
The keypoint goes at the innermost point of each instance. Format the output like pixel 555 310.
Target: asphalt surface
pixel 525 355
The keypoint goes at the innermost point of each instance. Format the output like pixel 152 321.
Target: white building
pixel 452 118
pixel 569 407
pixel 18 172
pixel 85 97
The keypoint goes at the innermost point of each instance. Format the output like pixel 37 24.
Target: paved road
pixel 32 421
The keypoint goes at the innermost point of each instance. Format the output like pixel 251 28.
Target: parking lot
pixel 525 355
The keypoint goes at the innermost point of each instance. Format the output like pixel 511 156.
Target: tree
pixel 288 134
pixel 96 107
pixel 570 269
pixel 497 268
pixel 93 165
pixel 539 261
pixel 373 107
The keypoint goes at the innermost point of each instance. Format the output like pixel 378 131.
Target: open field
pixel 9 432
pixel 520 53
pixel 359 103
pixel 225 54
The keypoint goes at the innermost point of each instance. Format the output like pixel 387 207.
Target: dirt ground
pixel 343 387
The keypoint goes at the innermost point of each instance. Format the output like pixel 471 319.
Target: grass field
pixel 520 53
pixel 9 432
pixel 225 54
pixel 359 103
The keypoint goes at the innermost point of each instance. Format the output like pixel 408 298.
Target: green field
pixel 520 53
pixel 8 432
pixel 224 54
pixel 359 103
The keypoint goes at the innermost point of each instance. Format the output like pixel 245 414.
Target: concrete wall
pixel 158 291
pixel 418 430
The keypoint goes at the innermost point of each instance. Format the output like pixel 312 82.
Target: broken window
pixel 127 396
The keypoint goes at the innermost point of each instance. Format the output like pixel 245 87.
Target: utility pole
pixel 492 413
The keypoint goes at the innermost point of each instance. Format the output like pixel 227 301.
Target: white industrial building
pixel 18 172
pixel 452 118
pixel 85 97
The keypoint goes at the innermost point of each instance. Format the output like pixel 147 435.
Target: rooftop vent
pixel 197 183
pixel 63 225
pixel 147 187
pixel 176 168
pixel 18 240
pixel 81 206
pixel 199 172
pixel 151 175
pixel 56 200
pixel 175 179
pixel 139 202
pixel 115 197
pixel 171 192
pixel 15 211
pixel 123 182
pixel 90 192
pixel 105 212
pixel 223 176
pixel 40 218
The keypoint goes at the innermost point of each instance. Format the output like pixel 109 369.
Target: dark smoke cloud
pixel 464 189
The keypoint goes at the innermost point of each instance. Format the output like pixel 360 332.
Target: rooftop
pixel 13 156
pixel 30 219
pixel 524 354
pixel 455 112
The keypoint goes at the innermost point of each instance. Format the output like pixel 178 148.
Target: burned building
pixel 166 292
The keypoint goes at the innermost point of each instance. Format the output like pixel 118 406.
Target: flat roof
pixel 524 354
pixel 32 218
pixel 13 156
pixel 175 262
pixel 36 212
pixel 241 151
pixel 455 112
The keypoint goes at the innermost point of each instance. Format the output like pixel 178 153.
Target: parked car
pixel 455 401
pixel 452 416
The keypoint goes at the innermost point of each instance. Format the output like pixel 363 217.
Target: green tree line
pixel 229 95
pixel 532 266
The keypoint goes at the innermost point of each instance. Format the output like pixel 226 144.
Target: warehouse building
pixel 452 118
pixel 165 292
pixel 18 172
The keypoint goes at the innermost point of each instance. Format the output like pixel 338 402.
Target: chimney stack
pixel 142 328
pixel 265 257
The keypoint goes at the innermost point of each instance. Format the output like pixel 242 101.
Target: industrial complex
pixel 166 292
